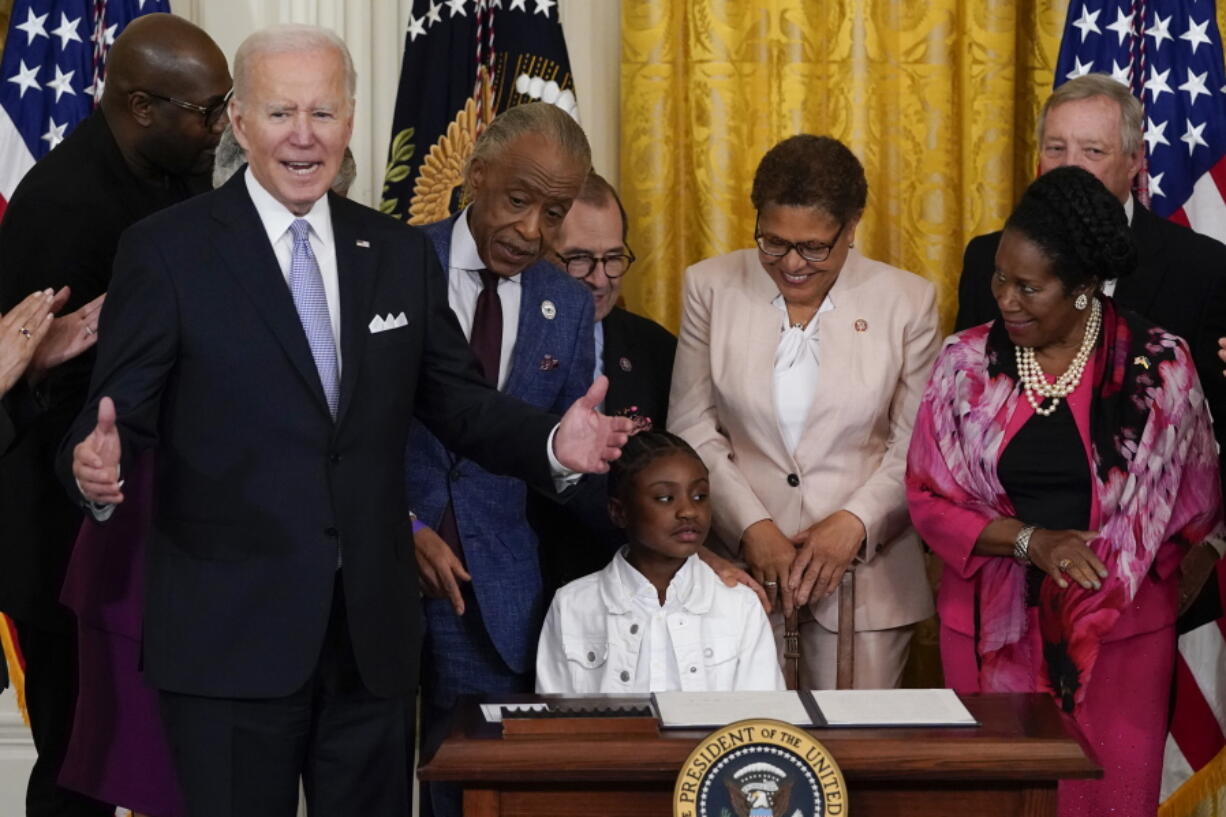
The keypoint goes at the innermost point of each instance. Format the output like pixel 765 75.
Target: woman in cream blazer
pixel 799 371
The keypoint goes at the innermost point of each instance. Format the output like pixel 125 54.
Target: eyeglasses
pixel 813 251
pixel 581 265
pixel 212 113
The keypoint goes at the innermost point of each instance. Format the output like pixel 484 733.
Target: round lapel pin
pixel 625 364
pixel 549 310
pixel 861 325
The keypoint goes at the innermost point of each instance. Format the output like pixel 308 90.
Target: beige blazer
pixel 877 347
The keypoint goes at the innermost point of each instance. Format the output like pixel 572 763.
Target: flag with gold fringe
pixel 464 62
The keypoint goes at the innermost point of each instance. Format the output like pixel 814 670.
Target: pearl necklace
pixel 1035 382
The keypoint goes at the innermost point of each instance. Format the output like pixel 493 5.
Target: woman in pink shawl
pixel 1062 462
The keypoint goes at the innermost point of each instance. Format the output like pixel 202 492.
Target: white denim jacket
pixel 594 632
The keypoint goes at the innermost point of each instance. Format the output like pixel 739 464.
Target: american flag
pixel 53 70
pixel 1169 53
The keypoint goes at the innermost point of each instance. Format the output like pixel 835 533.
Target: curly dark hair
pixel 811 171
pixel 1078 224
pixel 640 451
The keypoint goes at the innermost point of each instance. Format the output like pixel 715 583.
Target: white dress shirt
pixel 598 369
pixel 608 632
pixel 1108 287
pixel 797 366
pixel 464 285
pixel 277 219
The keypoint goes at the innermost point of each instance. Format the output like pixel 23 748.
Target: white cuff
pixel 101 511
pixel 563 477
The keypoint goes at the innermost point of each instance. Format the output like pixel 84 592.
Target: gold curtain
pixel 937 98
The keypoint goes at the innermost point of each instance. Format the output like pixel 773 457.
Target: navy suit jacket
pixel 257 486
pixel 551 367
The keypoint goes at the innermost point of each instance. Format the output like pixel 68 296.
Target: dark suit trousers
pixel 51 697
pixel 244 757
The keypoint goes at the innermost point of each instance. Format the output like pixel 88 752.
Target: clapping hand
pixel 95 460
pixel 69 335
pixel 21 331
pixel 587 441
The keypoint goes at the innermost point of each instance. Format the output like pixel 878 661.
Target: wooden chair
pixel 846 651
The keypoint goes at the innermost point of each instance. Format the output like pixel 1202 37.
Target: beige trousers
pixel 880 655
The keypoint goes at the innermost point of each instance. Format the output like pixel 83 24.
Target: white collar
pixel 464 254
pixel 692 586
pixel 277 218
pixel 1129 208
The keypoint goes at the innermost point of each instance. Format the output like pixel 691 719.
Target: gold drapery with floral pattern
pixel 937 97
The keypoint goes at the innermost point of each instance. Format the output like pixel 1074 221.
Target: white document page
pixel 679 710
pixel 892 707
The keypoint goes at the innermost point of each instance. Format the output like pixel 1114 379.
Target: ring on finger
pixel 26 333
pixel 1064 565
pixel 770 583
pixel 89 330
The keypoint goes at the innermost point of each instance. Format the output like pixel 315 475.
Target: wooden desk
pixel 1008 766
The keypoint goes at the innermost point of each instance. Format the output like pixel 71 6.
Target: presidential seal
pixel 760 768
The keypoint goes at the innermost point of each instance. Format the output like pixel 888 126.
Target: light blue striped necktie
pixel 306 284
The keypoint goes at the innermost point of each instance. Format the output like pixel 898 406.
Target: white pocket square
pixel 381 324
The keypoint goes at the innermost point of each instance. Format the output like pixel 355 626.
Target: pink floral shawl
pixel 1154 465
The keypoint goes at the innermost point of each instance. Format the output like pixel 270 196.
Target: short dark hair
pixel 1078 224
pixel 811 171
pixel 640 451
pixel 597 192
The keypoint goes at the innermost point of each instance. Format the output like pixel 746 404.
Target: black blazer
pixel 257 487
pixel 638 360
pixel 61 227
pixel 1179 284
pixel 577 538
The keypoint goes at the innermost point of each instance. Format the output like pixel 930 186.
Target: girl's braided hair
pixel 640 451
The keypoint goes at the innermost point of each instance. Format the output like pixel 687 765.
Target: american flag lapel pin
pixel 549 363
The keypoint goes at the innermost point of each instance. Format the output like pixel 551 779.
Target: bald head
pixel 157 50
pixel 159 62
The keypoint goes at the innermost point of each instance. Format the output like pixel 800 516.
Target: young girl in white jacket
pixel 657 618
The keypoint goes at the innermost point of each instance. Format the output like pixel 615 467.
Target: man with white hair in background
pixel 272 343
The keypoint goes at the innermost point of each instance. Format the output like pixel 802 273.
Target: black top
pixel 1046 476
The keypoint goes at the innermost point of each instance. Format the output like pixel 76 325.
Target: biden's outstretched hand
pixel 587 441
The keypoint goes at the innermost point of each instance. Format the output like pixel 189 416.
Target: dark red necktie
pixel 486 338
pixel 486 343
